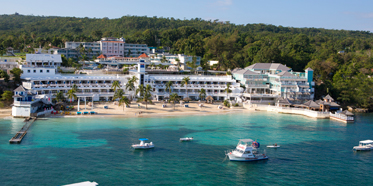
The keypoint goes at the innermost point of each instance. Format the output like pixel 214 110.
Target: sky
pixel 341 14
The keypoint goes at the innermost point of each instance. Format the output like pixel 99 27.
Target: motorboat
pixel 246 150
pixel 364 145
pixel 273 146
pixel 85 183
pixel 143 145
pixel 186 139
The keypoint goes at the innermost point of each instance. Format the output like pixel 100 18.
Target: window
pixel 47 71
pixel 34 71
pixel 28 71
pixel 41 71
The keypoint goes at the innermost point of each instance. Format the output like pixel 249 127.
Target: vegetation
pixel 174 98
pixel 227 90
pixel 169 86
pixel 60 96
pixel 115 85
pixel 185 82
pixel 145 94
pixel 71 94
pixel 345 75
pixel 226 103
pixel 124 101
pixel 202 94
pixel 16 75
pixel 118 94
pixel 7 95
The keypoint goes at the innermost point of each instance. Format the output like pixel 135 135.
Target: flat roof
pixel 366 141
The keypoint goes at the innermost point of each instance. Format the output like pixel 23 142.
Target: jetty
pixel 19 136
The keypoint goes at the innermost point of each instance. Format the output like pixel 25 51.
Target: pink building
pixel 112 47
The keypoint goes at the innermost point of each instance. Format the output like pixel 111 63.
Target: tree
pixel 75 87
pixel 185 82
pixel 174 98
pixel 71 95
pixel 7 95
pixel 227 90
pixel 130 85
pixel 226 103
pixel 202 94
pixel 177 62
pixel 4 75
pixel 169 86
pixel 100 66
pixel 17 75
pixel 60 96
pixel 33 36
pixel 115 85
pixel 124 101
pixel 146 96
pixel 118 94
pixel 140 90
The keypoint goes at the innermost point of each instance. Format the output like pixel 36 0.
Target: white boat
pixel 273 146
pixel 86 183
pixel 143 145
pixel 364 145
pixel 246 150
pixel 186 139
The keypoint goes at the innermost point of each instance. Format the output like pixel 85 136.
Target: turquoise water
pixel 67 150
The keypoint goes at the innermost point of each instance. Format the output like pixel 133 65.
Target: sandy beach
pixel 153 110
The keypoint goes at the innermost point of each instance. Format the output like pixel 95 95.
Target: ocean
pixel 60 151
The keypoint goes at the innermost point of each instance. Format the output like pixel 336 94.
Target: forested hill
pixel 128 25
pixel 342 60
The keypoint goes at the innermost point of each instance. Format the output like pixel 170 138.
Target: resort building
pixel 109 47
pixel 172 58
pixel 265 82
pixel 44 80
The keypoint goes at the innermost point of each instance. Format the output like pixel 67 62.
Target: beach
pixel 140 110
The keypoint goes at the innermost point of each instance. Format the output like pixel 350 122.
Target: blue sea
pixel 60 151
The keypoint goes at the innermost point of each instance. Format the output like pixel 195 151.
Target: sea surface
pixel 60 151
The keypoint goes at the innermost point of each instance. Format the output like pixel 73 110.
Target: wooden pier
pixel 19 136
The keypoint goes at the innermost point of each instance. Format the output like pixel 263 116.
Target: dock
pixel 19 136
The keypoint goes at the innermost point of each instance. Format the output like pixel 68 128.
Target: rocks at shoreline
pixel 354 109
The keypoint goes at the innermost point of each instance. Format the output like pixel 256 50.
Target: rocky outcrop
pixel 354 109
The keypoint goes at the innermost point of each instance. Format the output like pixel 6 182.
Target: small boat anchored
pixel 246 150
pixel 143 145
pixel 186 139
pixel 364 145
pixel 273 146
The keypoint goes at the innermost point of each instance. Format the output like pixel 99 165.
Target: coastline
pixel 154 110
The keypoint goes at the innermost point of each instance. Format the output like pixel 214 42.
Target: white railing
pixel 342 116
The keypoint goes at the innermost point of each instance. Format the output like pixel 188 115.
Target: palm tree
pixel 60 96
pixel 118 94
pixel 177 62
pixel 115 85
pixel 124 101
pixel 140 90
pixel 146 96
pixel 130 85
pixel 169 86
pixel 202 94
pixel 227 90
pixel 174 98
pixel 71 94
pixel 185 82
pixel 75 87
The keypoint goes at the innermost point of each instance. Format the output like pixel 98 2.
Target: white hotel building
pixel 42 79
pixel 107 46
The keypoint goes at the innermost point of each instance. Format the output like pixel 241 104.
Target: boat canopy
pixel 143 139
pixel 366 141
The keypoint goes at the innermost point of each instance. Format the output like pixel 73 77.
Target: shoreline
pixel 155 110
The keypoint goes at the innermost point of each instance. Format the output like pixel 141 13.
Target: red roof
pixel 102 56
pixel 143 55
